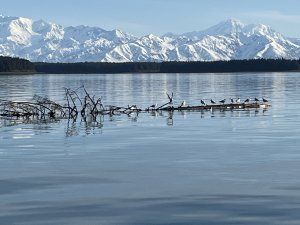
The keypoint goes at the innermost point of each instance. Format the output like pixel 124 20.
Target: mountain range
pixel 40 41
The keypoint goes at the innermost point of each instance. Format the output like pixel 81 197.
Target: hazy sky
pixel 141 17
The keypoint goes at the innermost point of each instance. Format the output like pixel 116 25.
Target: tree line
pixel 9 64
pixel 252 65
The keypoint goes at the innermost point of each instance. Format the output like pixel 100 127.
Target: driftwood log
pixel 91 106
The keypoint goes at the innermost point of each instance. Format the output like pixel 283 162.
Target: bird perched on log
pixel 132 107
pixel 265 100
pixel 223 101
pixel 153 106
pixel 232 101
pixel 203 102
pixel 247 100
pixel 212 101
pixel 238 100
pixel 256 99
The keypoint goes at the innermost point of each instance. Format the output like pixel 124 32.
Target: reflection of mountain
pixel 42 41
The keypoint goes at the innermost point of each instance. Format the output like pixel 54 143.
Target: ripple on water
pixel 232 167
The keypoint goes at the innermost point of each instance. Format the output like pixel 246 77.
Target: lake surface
pixel 232 167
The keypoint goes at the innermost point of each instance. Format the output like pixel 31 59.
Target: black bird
pixel 247 100
pixel 223 101
pixel 153 106
pixel 212 101
pixel 256 99
pixel 232 101
pixel 203 102
pixel 265 100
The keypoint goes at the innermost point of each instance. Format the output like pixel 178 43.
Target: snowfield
pixel 231 39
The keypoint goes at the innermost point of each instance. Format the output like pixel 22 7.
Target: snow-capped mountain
pixel 42 41
pixel 231 39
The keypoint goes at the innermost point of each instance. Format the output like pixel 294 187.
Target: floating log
pixel 231 106
pixel 90 106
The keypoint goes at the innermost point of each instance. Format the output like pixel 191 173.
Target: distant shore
pixel 253 65
pixel 19 73
pixel 10 65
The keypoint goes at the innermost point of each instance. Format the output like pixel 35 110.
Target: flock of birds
pixel 238 100
pixel 232 101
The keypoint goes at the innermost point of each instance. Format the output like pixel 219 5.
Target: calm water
pixel 240 167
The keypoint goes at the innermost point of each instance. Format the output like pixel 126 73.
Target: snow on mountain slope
pixel 147 48
pixel 231 39
pixel 225 28
pixel 42 41
pixel 16 30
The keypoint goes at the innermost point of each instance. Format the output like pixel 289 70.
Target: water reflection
pixel 71 129
pixel 192 167
pixel 147 89
pixel 170 121
pixel 90 124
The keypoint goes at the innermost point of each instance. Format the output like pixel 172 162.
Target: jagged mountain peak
pixel 151 37
pixel 228 26
pixel 17 30
pixel 259 29
pixel 224 28
pixel 233 22
pixel 229 39
pixel 118 33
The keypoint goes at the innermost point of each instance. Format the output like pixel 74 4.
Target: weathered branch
pixel 91 107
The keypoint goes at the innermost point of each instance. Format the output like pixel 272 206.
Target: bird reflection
pixel 170 121
pixel 153 113
pixel 133 116
pixel 202 114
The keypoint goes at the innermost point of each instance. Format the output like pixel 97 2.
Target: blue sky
pixel 141 17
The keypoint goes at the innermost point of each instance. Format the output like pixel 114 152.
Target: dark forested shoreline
pixel 254 65
pixel 17 65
